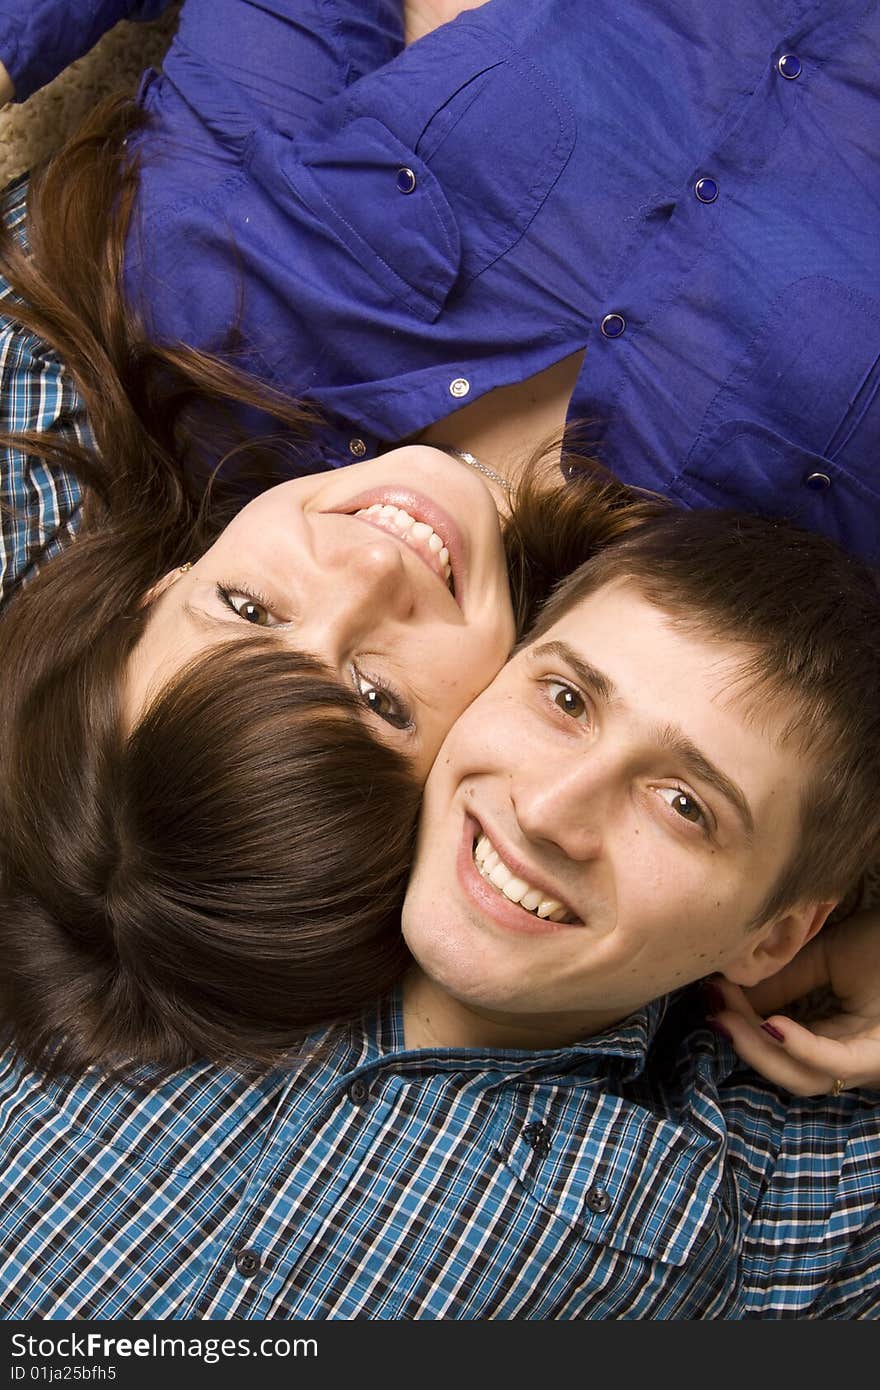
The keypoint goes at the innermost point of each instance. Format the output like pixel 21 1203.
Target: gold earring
pixel 183 568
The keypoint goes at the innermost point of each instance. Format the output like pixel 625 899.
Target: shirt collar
pixel 625 1045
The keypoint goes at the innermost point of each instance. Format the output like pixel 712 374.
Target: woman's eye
pixel 246 606
pixel 567 699
pixel 381 701
pixel 684 805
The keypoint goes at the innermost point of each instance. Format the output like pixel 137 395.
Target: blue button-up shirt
pixel 688 189
pixel 640 1174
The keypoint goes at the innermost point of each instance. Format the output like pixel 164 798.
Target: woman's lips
pixel 424 509
pixel 418 535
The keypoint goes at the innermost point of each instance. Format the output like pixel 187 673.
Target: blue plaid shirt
pixel 39 502
pixel 373 1182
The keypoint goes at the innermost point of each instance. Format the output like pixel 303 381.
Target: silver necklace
pixel 466 457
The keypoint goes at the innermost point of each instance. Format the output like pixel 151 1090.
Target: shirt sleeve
pixel 39 38
pixel 811 1244
pixel 277 60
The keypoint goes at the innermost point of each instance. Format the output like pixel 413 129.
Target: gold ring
pixel 837 1086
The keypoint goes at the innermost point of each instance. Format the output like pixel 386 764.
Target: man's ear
pixel 768 948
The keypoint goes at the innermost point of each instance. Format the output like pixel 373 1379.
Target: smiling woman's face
pixel 402 595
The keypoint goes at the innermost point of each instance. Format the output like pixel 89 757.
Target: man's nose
pixel 564 801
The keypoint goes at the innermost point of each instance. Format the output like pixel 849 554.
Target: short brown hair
pixel 811 616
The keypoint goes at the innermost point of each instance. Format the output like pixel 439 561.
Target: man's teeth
pixel 415 533
pixel 495 871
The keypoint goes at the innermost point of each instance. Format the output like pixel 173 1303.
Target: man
pixel 674 776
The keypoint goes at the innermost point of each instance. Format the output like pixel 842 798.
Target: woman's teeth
pixel 417 534
pixel 494 870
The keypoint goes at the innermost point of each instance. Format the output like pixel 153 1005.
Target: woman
pixel 216 728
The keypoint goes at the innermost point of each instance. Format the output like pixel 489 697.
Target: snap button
pixel 357 447
pixel 789 66
pixel 247 1262
pixel 818 481
pixel 358 1092
pixel 459 387
pixel 613 325
pixel 598 1199
pixel 406 180
pixel 706 190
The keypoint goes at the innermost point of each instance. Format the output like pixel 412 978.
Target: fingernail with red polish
pixel 773 1032
pixel 719 1028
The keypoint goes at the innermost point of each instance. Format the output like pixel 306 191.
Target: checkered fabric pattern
pixel 372 1182
pixel 39 502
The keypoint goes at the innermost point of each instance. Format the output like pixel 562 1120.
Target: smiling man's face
pixel 603 825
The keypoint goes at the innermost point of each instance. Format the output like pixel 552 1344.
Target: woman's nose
pixel 372 581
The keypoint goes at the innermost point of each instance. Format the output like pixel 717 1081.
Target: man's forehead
pixel 617 619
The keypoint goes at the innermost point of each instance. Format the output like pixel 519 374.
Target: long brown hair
pixel 229 875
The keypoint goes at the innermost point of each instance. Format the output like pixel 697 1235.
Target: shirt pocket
pixel 374 206
pixel 746 466
pixel 497 145
pixel 629 1182
pixel 794 430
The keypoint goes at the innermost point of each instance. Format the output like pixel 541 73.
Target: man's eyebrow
pixel 670 738
pixel 696 762
pixel 596 681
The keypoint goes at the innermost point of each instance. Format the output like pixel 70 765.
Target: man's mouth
pixel 420 536
pixel 502 878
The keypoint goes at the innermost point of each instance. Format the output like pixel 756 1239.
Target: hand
pixel 844 1046
pixel 421 16
pixel 7 87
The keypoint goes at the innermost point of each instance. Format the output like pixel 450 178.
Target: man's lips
pixel 423 509
pixel 492 902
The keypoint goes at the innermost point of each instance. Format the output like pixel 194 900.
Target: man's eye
pixel 381 701
pixel 684 805
pixel 567 699
pixel 246 606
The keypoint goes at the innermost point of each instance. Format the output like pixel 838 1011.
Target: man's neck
pixel 434 1019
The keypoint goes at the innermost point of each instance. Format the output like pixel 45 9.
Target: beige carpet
pixel 29 132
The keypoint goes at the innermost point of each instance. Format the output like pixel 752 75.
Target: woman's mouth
pixel 422 525
pixel 420 536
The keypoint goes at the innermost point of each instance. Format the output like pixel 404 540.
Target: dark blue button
pixel 789 65
pixel 819 482
pixel 598 1198
pixel 406 180
pixel 248 1262
pixel 706 190
pixel 358 1092
pixel 613 325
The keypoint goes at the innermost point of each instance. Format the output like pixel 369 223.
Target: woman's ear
pixel 770 947
pixel 157 590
